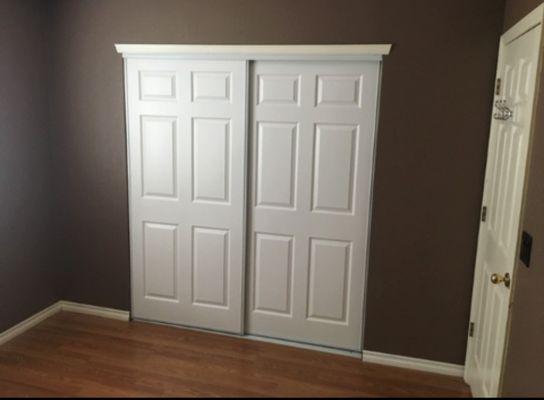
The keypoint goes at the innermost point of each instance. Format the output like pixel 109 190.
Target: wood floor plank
pixel 80 355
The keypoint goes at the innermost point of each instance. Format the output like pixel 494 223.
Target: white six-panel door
pixel 312 133
pixel 312 137
pixel 505 176
pixel 187 138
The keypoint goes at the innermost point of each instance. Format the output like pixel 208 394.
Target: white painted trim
pixel 28 323
pixel 344 52
pixel 94 310
pixel 69 306
pixel 418 364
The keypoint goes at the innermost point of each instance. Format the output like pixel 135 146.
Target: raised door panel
pixel 160 261
pixel 276 89
pixel 211 86
pixel 329 278
pixel 339 90
pixel 276 164
pixel 211 159
pixel 210 267
pixel 273 273
pixel 159 156
pixel 157 85
pixel 334 173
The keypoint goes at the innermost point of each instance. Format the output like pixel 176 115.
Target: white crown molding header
pixel 344 52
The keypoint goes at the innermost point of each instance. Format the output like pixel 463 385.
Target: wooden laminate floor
pixel 79 355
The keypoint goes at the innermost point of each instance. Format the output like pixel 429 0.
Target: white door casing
pixel 312 138
pixel 503 194
pixel 187 150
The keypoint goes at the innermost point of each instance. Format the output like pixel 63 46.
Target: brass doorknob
pixel 497 279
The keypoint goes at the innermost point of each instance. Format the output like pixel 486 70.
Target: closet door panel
pixel 311 132
pixel 187 151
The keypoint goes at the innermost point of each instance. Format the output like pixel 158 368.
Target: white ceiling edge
pixel 257 52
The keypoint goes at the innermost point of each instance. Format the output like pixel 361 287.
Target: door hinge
pixel 498 87
pixel 471 330
pixel 484 213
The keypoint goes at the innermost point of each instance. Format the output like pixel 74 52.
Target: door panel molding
pixel 338 52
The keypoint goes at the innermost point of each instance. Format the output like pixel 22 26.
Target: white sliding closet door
pixel 187 138
pixel 312 132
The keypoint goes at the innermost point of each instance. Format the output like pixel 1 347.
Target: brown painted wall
pixel 436 97
pixel 27 278
pixel 514 10
pixel 524 365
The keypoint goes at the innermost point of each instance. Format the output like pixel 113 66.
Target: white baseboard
pixel 418 364
pixel 28 323
pixel 62 306
pixel 94 310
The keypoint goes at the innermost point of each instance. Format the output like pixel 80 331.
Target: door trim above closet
pixel 338 52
